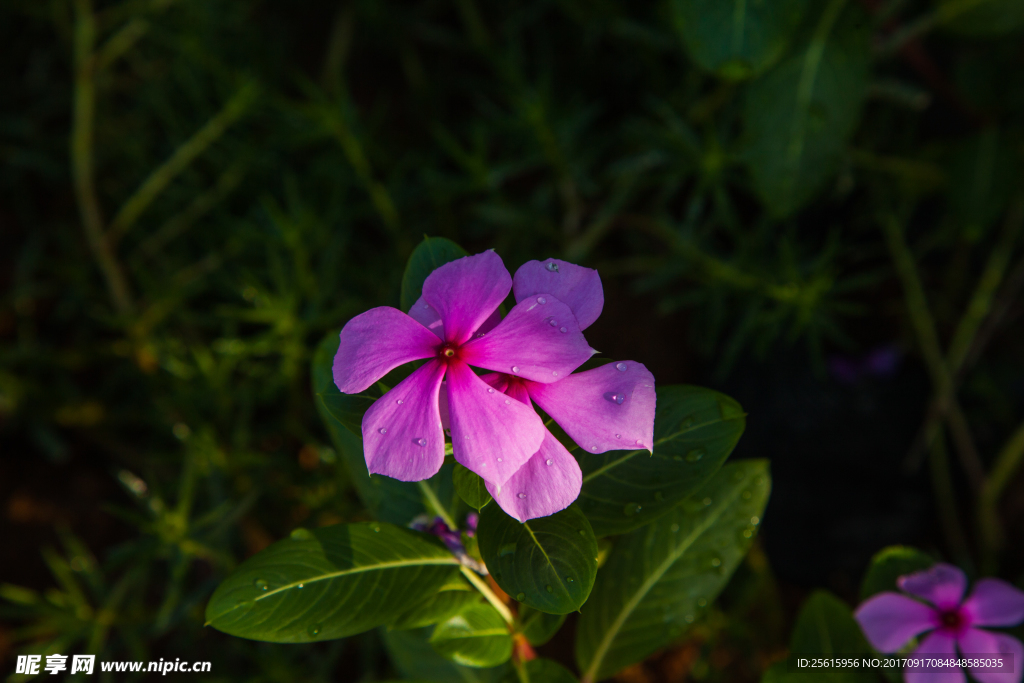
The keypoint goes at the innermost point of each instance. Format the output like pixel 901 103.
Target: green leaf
pixel 428 255
pixel 476 637
pixel 471 487
pixel 799 116
pixel 547 563
pixel 330 583
pixel 541 671
pixel 981 181
pixel 695 430
pixel 538 627
pixel 737 39
pixel 389 500
pixel 981 17
pixel 451 599
pixel 411 654
pixel 657 579
pixel 825 627
pixel 888 565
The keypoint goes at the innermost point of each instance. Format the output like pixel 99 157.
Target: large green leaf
pixel 540 671
pixel 799 116
pixel 981 17
pixel 658 578
pixel 387 499
pixel 477 636
pixel 737 38
pixel 411 654
pixel 471 487
pixel 329 583
pixel 695 429
pixel 428 255
pixel 538 627
pixel 888 565
pixel 451 599
pixel 547 563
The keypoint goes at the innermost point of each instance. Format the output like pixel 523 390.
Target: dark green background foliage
pixel 813 207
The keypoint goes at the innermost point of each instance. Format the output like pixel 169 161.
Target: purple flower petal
pixel 402 436
pixel 993 602
pixel 607 408
pixel 492 434
pixel 943 585
pixel 375 343
pixel 936 645
pixel 549 482
pixel 978 642
pixel 889 620
pixel 425 315
pixel 466 292
pixel 537 341
pixel 578 287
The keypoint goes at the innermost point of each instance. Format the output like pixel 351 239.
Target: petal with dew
pixel 375 343
pixel 976 643
pixel 942 585
pixel 549 482
pixel 578 287
pixel 994 602
pixel 402 436
pixel 937 645
pixel 492 434
pixel 538 340
pixel 466 292
pixel 889 620
pixel 425 315
pixel 607 408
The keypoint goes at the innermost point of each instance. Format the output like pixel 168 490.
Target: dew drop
pixel 716 562
pixel 301 534
pixel 695 454
pixel 399 401
pixel 522 495
pixel 675 528
pixel 621 367
pixel 746 495
pixel 520 596
pixel 755 520
pixel 618 436
pixel 549 589
pixel 702 602
pixel 747 533
pixel 375 528
pixel 245 603
pixel 631 509
pixel 593 448
pixel 659 496
pixel 562 329
pixel 619 398
pixel 554 373
pixel 689 618
pixel 541 300
pixel 508 402
pixel 639 442
pixel 301 585
pixel 583 532
pixel 687 423
pixel 553 322
pixel 706 501
pixel 421 442
pixel 552 266
pixel 549 462
pixel 261 584
pixel 383 430
pixel 515 368
pixel 314 630
pixel 499 459
pixel 569 579
pixel 490 390
pixel 507 549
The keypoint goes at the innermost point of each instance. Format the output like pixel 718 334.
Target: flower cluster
pixel 890 620
pixel 495 432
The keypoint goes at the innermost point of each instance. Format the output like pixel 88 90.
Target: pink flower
pixel 532 351
pixel 889 620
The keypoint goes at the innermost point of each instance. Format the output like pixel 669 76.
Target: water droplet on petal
pixel 506 549
pixel 562 329
pixel 515 368
pixel 621 367
pixel 499 459
pixel 383 430
pixel 421 442
pixel 554 373
pixel 314 630
pixel 695 454
pixel 618 436
pixel 631 509
pixel 522 495
pixel 399 401
pixel 639 442
pixel 553 322
pixel 508 402
pixel 261 584
pixel 541 300
pixel 552 266
pixel 549 589
pixel 520 596
pixel 490 390
pixel 593 448
pixel 619 398
pixel 549 462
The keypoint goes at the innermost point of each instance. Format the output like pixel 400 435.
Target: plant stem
pixel 945 498
pixel 488 594
pixel 1003 470
pixel 433 502
pixel 82 158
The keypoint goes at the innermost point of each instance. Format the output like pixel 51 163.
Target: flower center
pixel 447 351
pixel 951 619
